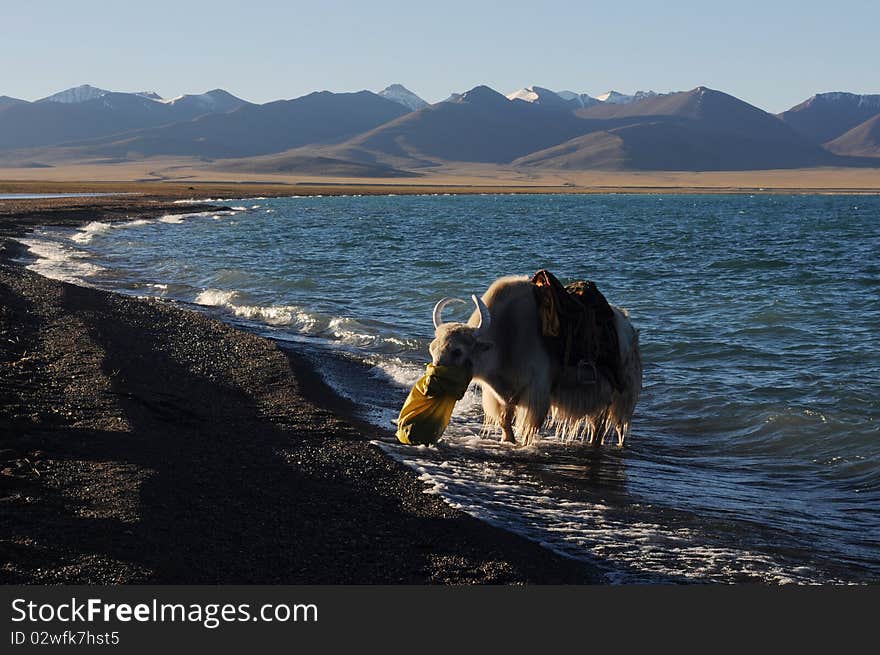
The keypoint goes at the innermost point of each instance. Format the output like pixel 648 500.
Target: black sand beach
pixel 141 442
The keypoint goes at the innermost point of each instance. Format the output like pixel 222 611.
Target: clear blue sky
pixel 770 53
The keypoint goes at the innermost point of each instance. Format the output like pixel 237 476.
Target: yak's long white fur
pixel 519 376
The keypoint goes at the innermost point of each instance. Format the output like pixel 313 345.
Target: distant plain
pixel 190 178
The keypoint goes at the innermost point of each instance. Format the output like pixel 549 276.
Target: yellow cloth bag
pixel 428 407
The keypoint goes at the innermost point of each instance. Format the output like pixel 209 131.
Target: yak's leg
pixel 500 408
pixel 533 404
pixel 493 408
pixel 508 412
pixel 508 417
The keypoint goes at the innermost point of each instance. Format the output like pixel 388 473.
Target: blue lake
pixel 755 450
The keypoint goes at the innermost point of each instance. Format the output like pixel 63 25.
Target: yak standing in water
pixel 522 378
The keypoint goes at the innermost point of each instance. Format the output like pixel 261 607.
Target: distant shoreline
pixel 171 191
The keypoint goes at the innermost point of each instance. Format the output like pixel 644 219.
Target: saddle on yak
pixel 578 324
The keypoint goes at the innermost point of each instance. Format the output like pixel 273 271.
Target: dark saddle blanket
pixel 579 326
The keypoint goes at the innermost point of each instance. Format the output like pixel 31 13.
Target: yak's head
pixel 461 345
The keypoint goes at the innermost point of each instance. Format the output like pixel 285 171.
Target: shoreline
pixel 678 185
pixel 143 442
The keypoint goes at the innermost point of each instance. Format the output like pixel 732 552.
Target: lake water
pixel 755 450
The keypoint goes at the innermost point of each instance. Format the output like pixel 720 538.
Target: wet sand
pixel 142 442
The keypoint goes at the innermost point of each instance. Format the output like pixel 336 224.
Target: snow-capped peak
pixel 540 95
pixel 616 98
pixel 527 94
pixel 77 94
pixel 577 99
pixel 216 100
pixel 403 96
pixel 643 95
pixel 86 92
pixel 543 96
pixel 870 101
pixel 177 99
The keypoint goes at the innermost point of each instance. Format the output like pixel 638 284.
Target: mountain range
pixel 395 132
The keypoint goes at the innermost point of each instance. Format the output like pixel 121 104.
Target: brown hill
pixel 309 163
pixel 701 129
pixel 861 141
pixel 826 116
pixel 320 117
pixel 602 150
pixel 46 123
pixel 365 135
pixel 481 125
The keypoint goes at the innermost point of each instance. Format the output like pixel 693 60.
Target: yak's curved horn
pixel 438 310
pixel 485 316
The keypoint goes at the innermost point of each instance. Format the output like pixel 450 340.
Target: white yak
pixel 521 378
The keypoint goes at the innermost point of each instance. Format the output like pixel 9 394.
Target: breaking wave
pixel 340 330
pixel 58 261
pixel 87 233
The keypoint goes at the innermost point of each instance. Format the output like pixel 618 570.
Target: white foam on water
pixel 349 331
pixel 86 233
pixel 158 290
pixel 401 373
pixel 176 219
pixel 340 329
pixel 272 315
pixel 194 201
pixel 305 321
pixel 288 315
pixel 58 261
pixel 215 297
